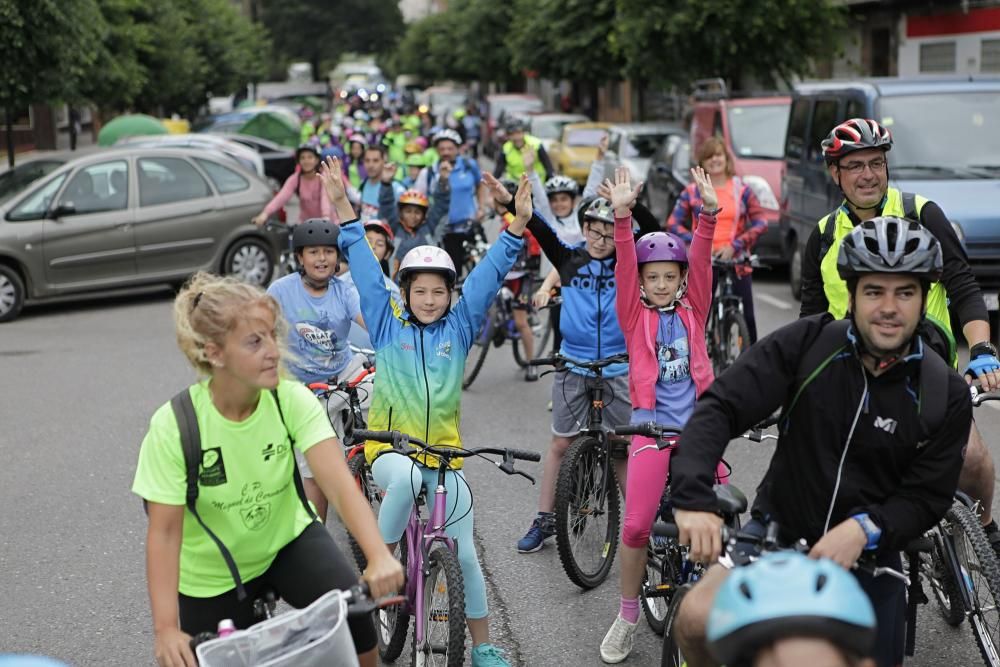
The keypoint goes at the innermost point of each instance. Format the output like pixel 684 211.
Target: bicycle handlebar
pixel 979 396
pixel 560 362
pixel 448 452
pixel 752 261
pixel 648 429
pixel 344 385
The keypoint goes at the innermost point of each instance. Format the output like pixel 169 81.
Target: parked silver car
pixel 133 216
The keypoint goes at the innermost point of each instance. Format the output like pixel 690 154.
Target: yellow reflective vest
pixel 515 161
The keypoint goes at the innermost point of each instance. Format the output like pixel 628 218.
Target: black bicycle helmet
pixel 888 244
pixel 315 232
pixel 598 210
pixel 854 135
pixel 307 147
pixel 561 184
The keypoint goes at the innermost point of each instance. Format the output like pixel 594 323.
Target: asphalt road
pixel 80 382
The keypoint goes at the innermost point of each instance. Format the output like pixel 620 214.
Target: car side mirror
pixel 68 208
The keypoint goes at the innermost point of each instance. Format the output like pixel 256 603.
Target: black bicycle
pixel 727 333
pixel 587 505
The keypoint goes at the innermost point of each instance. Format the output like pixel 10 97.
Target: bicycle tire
pixel 671 656
pixel 362 475
pixel 661 568
pixel 943 584
pixel 984 576
pixel 734 339
pixel 392 624
pixel 579 500
pixel 442 563
pixel 482 345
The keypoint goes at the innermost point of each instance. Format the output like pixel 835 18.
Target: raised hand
pixel 388 172
pixel 522 203
pixel 528 156
pixel 623 195
pixel 705 187
pixel 444 170
pixel 332 177
pixel 602 147
pixel 497 189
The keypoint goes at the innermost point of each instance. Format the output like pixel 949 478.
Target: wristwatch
pixel 984 349
pixel 872 532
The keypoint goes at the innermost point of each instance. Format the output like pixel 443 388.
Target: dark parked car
pixel 946 148
pixel 133 216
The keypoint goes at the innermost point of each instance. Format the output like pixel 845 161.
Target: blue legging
pixel 401 480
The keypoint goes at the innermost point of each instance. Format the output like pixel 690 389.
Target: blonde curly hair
pixel 208 307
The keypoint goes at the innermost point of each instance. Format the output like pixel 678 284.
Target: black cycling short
pixel 305 569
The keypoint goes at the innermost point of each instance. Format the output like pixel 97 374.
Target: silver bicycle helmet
pixel 559 184
pixel 600 211
pixel 888 244
pixel 447 135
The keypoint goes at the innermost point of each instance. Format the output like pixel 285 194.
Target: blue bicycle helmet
pixel 788 594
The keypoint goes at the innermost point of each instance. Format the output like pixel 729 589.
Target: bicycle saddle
pixel 729 499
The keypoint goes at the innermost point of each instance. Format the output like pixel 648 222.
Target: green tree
pixel 413 54
pixel 320 31
pixel 678 41
pixel 118 74
pixel 48 49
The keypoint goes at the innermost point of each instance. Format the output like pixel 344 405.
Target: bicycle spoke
pixel 588 513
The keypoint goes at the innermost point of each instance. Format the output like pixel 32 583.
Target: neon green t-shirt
pixel 246 492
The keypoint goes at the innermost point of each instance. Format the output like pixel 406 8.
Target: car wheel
pixel 251 261
pixel 795 270
pixel 11 293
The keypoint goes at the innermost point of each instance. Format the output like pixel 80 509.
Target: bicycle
pixel 962 570
pixel 476 246
pixel 587 507
pixel 287 263
pixel 311 636
pixel 498 327
pixel 353 420
pixel 727 333
pixel 434 593
pixel 667 566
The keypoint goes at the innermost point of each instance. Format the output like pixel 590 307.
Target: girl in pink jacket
pixel 663 300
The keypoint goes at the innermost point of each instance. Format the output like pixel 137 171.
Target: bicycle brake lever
pixel 526 476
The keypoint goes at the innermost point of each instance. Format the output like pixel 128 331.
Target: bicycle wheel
pixel 362 474
pixel 587 512
pixel 444 613
pixel 660 582
pixel 393 623
pixel 477 353
pixel 981 577
pixel 671 654
pixel 735 337
pixel 943 584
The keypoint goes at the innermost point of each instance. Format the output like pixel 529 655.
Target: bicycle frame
pixel 420 536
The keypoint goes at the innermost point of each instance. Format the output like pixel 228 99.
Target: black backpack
pixel 832 342
pixel 187 424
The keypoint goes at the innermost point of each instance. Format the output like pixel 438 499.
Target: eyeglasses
pixel 596 236
pixel 876 165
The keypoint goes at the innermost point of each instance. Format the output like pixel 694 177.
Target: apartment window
pixel 937 57
pixel 989 57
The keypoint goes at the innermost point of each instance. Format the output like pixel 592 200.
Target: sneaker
pixel 488 655
pixel 618 642
pixel 541 529
pixel 530 374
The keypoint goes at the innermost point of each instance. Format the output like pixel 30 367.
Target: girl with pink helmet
pixel 663 301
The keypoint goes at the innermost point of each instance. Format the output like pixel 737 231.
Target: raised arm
pixel 700 251
pixel 552 246
pixel 627 296
pixel 596 175
pixel 539 196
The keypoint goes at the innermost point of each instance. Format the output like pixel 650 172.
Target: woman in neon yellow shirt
pixel 249 419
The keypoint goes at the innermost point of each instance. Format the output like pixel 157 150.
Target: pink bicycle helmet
pixel 660 247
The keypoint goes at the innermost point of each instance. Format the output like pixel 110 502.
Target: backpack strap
pixel 296 476
pixel 187 425
pixel 830 344
pixel 933 378
pixel 827 233
pixel 910 206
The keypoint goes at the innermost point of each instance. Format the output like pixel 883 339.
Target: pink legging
pixel 647 475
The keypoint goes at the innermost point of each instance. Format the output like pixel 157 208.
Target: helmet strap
pixel 318 285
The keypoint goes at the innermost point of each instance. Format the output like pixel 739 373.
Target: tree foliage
pixel 678 41
pixel 321 31
pixel 565 39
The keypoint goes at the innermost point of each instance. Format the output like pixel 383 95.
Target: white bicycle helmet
pixel 424 259
pixel 558 184
pixel 447 135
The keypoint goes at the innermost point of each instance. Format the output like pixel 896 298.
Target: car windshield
pixel 973 131
pixel 590 136
pixel 758 131
pixel 15 180
pixel 641 145
pixel 548 129
pixel 522 105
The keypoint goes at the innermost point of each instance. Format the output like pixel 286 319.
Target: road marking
pixel 773 301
